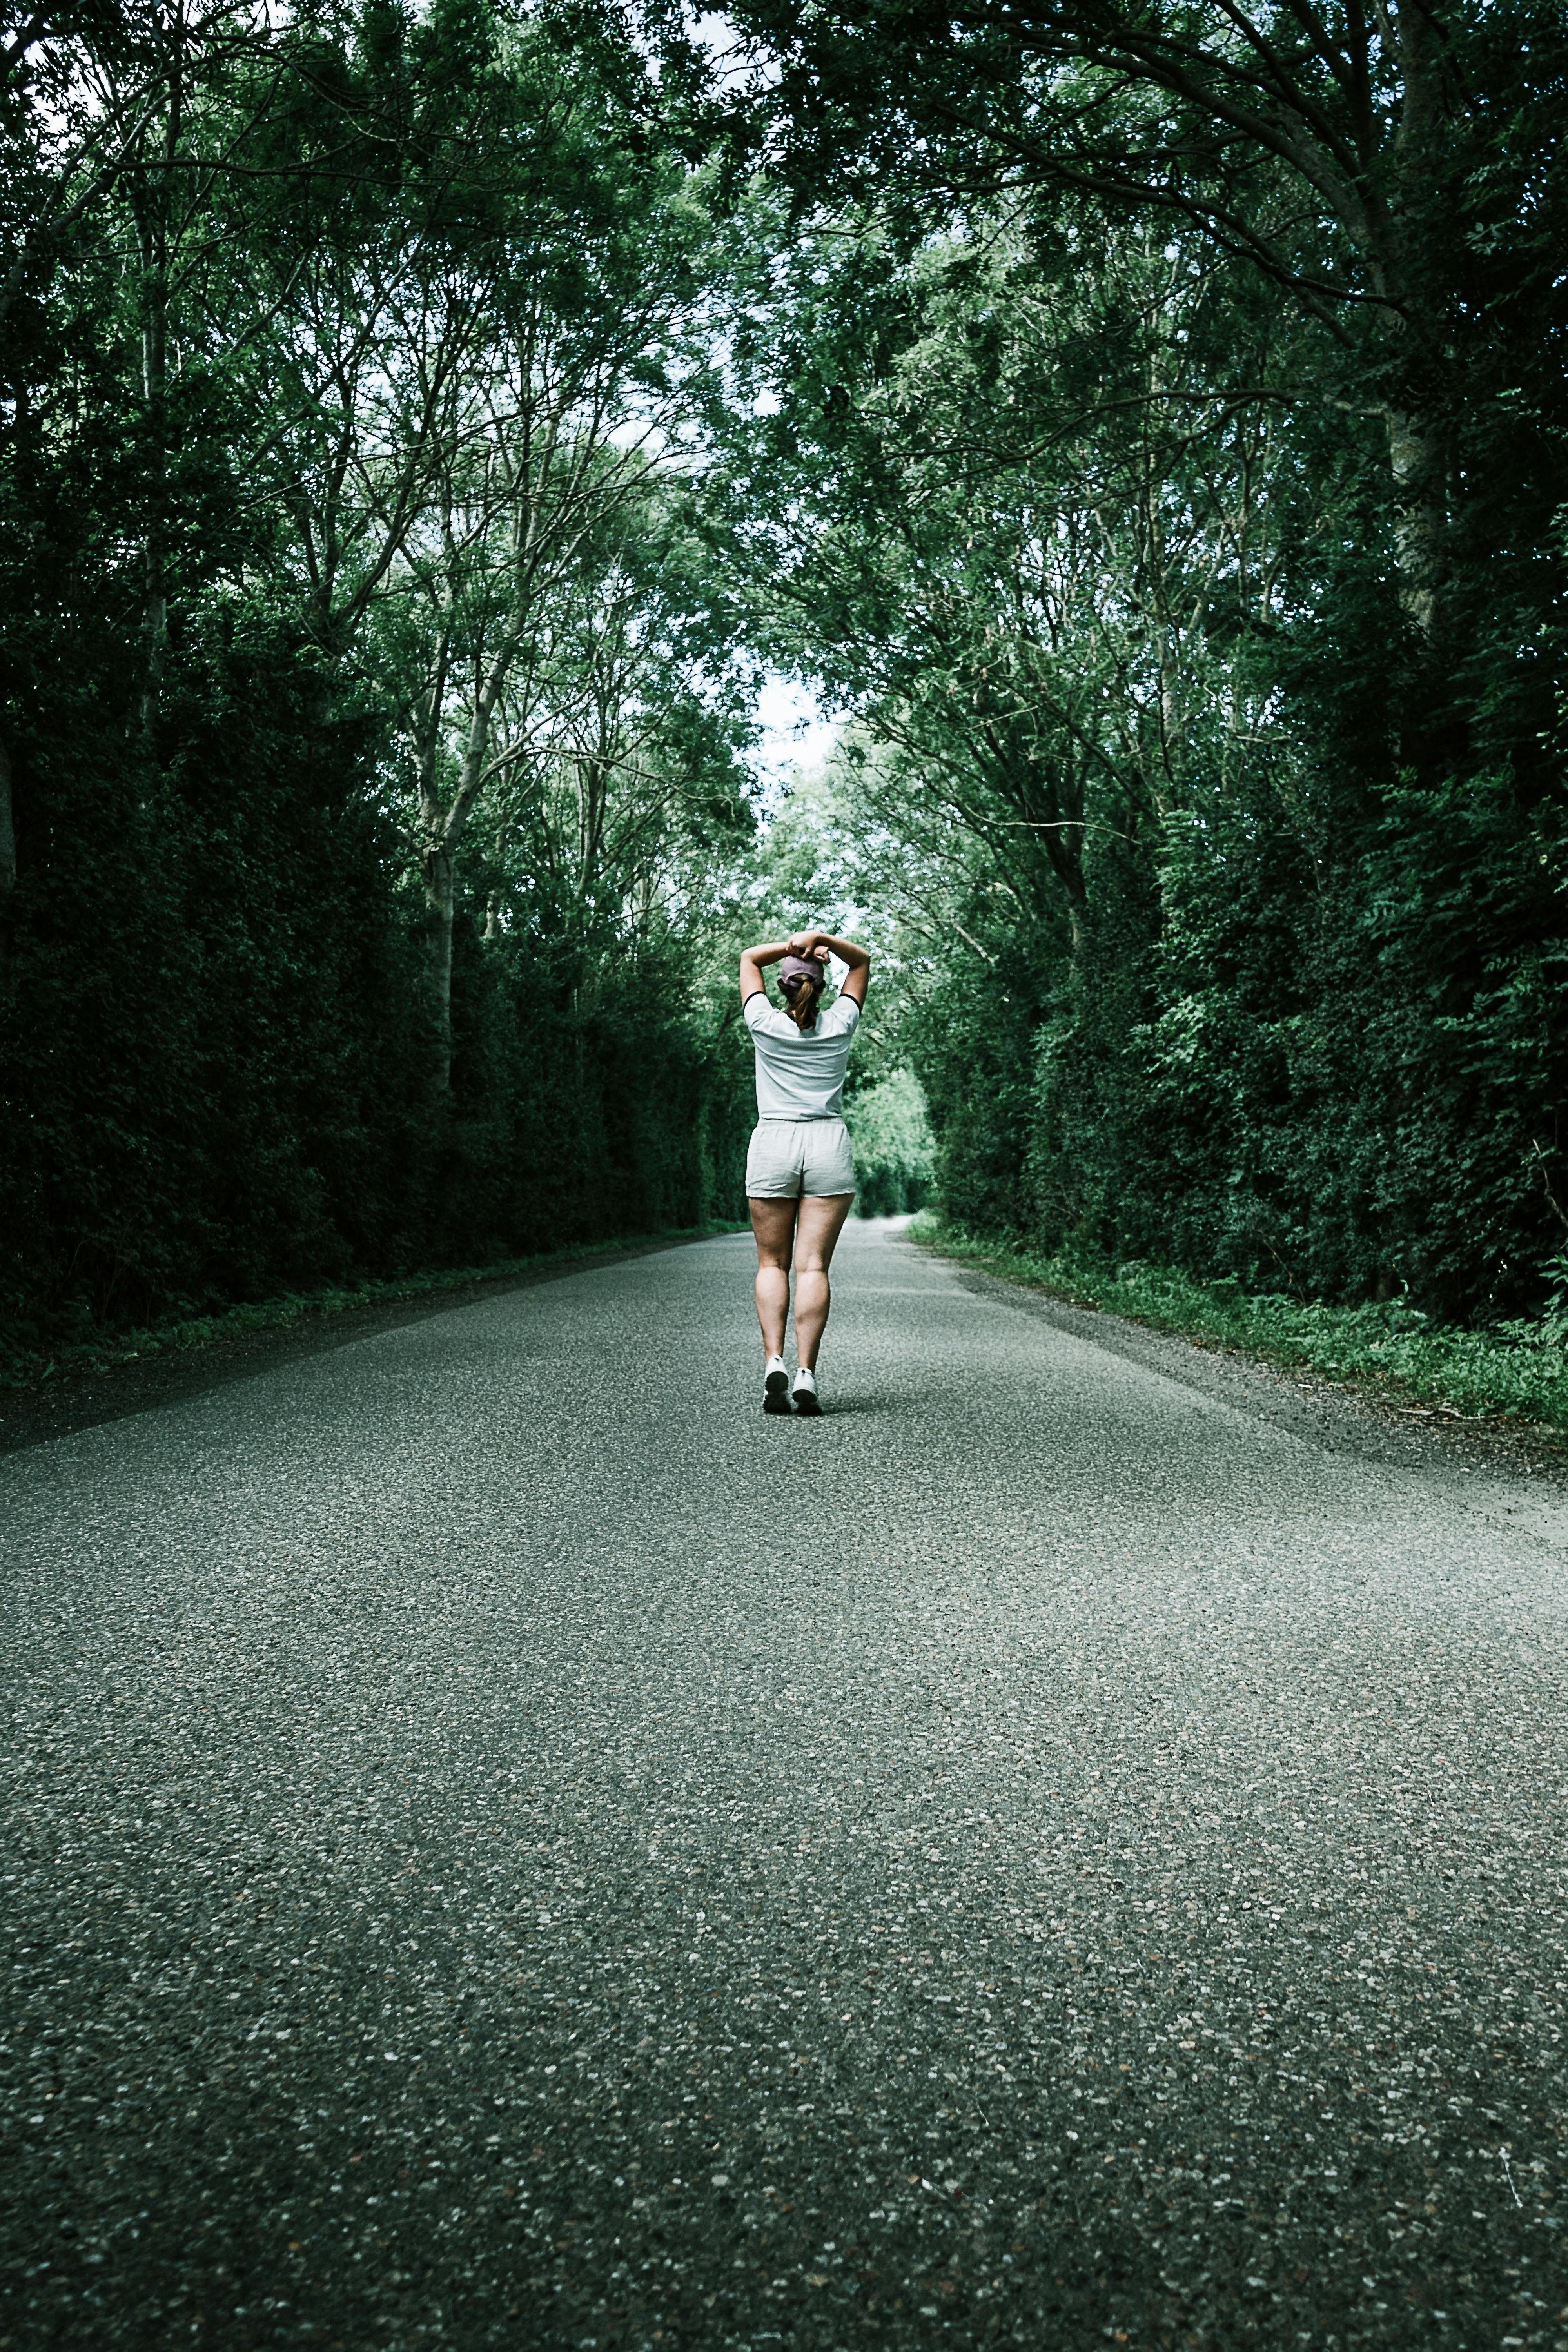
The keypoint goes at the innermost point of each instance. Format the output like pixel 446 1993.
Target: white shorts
pixel 791 1156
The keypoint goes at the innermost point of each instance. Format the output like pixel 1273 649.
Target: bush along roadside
pixel 1514 1371
pixel 28 1369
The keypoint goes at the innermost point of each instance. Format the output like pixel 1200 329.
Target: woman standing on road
pixel 800 1173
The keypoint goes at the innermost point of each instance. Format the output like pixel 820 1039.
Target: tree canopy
pixel 422 429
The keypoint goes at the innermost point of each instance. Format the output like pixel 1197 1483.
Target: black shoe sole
pixel 807 1404
pixel 775 1405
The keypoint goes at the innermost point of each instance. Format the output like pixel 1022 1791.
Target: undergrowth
pixel 1515 1371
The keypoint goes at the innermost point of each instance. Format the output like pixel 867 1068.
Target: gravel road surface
pixel 507 1845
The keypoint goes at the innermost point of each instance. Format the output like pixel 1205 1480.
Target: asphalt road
pixel 506 1844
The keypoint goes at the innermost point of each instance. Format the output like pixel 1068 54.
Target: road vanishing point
pixel 507 1845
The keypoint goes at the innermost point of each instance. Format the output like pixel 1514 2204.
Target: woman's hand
pixel 822 944
pixel 819 945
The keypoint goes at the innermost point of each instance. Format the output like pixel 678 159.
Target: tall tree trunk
pixel 154 397
pixel 1405 274
pixel 444 830
pixel 436 872
pixel 1416 462
pixel 439 901
pixel 151 210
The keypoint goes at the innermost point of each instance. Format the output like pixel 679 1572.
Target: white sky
pixel 795 731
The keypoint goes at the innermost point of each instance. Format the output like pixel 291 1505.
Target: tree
pixel 1355 160
pixel 363 299
pixel 551 442
pixel 1059 504
pixel 1031 533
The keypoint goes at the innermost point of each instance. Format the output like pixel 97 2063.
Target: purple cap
pixel 797 967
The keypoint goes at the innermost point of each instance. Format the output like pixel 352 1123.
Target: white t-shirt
pixel 801 1076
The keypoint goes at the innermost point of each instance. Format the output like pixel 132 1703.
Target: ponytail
pixel 802 994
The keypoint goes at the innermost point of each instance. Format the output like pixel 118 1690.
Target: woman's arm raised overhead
pixel 823 943
pixel 751 963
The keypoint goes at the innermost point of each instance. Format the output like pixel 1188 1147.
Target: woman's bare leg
pixel 772 1222
pixel 816 1236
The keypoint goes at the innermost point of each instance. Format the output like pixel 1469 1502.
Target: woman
pixel 800 1174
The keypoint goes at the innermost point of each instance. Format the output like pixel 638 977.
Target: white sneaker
pixel 806 1396
pixel 775 1386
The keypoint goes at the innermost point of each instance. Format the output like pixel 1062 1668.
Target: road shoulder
pixel 1504 1472
pixel 36 1416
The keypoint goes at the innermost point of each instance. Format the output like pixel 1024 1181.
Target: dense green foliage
pixel 894 1148
pixel 420 425
pixel 1154 432
pixel 368 728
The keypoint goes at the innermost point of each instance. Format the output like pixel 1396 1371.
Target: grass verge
pixel 28 1368
pixel 1515 1372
